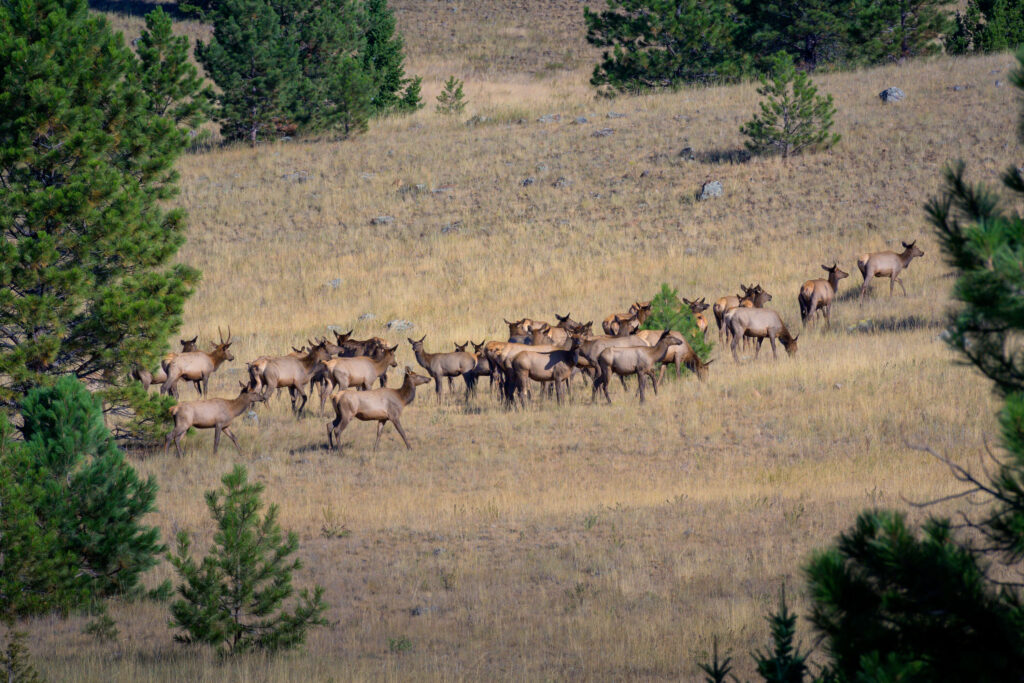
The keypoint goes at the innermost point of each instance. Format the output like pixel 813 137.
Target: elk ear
pixel 393 348
pixel 422 338
pixel 409 339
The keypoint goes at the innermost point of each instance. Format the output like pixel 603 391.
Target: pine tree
pixel 812 32
pixel 888 30
pixel 167 76
pixel 663 43
pixel 383 60
pixel 255 63
pixel 89 491
pixel 793 118
pixel 233 599
pixel 669 313
pixel 334 92
pixel 14 665
pixel 451 100
pixel 86 169
pixel 785 664
pixel 987 26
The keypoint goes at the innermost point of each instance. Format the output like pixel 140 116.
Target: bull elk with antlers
pixel 196 366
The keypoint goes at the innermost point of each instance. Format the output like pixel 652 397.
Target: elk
pixel 634 318
pixel 358 371
pixel 483 365
pixel 759 323
pixel 215 413
pixel 381 405
pixel 887 264
pixel 348 347
pixel 817 295
pixel 287 371
pixel 545 366
pixel 196 366
pixel 440 365
pixel 697 307
pixel 632 360
pixel 519 332
pixel 679 354
pixel 158 376
pixel 753 296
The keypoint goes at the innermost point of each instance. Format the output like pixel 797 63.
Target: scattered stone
pixel 366 316
pixel 958 88
pixel 550 118
pixel 542 168
pixel 334 328
pixel 442 189
pixel 712 188
pixel 451 227
pixel 892 95
pixel 687 153
pixel 603 133
pixel 580 119
pixel 398 325
pixel 335 283
pixel 251 418
pixel 616 115
pixel 367 176
pixel 296 176
pixel 999 84
pixel 382 220
pixel 477 120
pixel 690 251
pixel 526 182
pixel 837 386
pixel 645 173
pixel 562 181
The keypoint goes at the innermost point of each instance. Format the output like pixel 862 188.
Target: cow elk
pixel 289 372
pixel 451 364
pixel 679 354
pixel 887 264
pixel 210 413
pixel 634 318
pixel 752 297
pixel 196 366
pixel 759 324
pixel 357 372
pixel 817 295
pixel 544 366
pixel 632 360
pixel 380 405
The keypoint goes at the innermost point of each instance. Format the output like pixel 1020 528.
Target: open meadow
pixel 586 541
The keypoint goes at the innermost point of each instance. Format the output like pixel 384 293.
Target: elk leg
pixel 340 422
pixel 867 278
pixel 604 387
pixel 900 280
pixel 216 438
pixel 380 428
pixel 654 381
pixel 622 378
pixel 775 355
pixel 398 427
pixel 437 388
pixel 206 386
pixel 177 442
pixel 451 387
pixel 757 352
pixel 230 435
pixel 826 312
pixel 892 283
pixel 300 392
pixel 735 341
pixel 640 381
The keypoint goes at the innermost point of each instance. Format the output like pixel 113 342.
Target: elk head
pixel 834 271
pixel 911 250
pixel 221 350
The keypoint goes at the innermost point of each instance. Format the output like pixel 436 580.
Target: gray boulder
pixel 712 188
pixel 398 325
pixel 892 95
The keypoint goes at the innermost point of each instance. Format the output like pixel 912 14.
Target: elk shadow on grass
pixel 907 323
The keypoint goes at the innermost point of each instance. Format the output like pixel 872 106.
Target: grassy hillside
pixel 587 541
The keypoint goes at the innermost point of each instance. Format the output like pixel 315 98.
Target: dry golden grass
pixel 587 541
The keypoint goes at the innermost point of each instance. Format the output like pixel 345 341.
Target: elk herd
pixel 538 356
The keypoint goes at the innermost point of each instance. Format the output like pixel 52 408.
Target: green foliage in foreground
pixel 70 527
pixel 233 598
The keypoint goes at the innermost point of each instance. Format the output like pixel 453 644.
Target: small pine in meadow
pixel 793 118
pixel 451 100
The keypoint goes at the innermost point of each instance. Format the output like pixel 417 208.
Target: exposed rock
pixel 542 168
pixel 562 181
pixel 398 325
pixel 999 84
pixel 382 220
pixel 616 115
pixel 580 119
pixel 335 283
pixel 251 418
pixel 712 188
pixel 296 176
pixel 690 251
pixel 687 153
pixel 366 316
pixel 451 227
pixel 603 133
pixel 550 118
pixel 526 182
pixel 892 95
pixel 477 120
